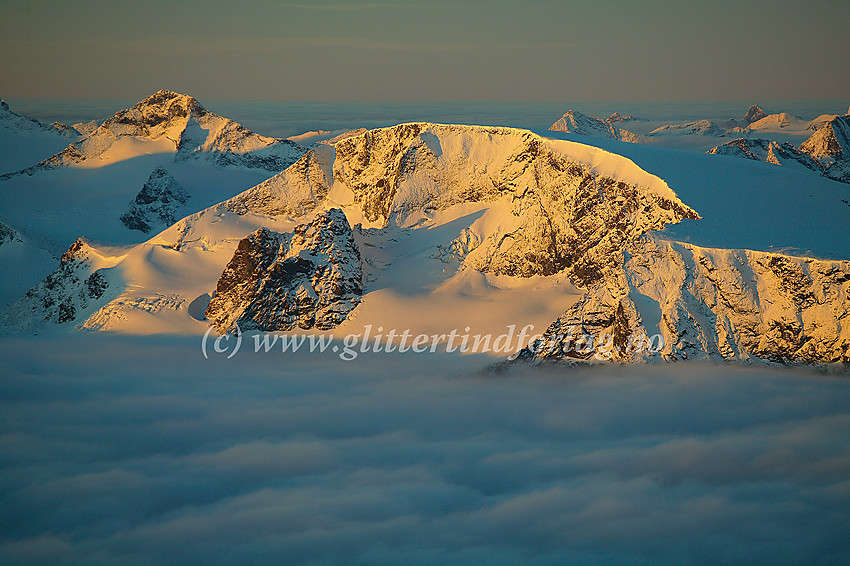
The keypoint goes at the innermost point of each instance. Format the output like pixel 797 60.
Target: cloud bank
pixel 138 451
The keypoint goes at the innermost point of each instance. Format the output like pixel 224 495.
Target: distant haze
pixel 436 50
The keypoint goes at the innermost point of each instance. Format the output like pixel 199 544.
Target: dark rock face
pixel 822 153
pixel 158 203
pixel 73 288
pixel 754 114
pixel 310 278
pixel 8 234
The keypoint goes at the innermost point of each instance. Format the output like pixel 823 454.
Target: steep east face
pixel 181 123
pixel 707 304
pixel 577 123
pixel 295 191
pixel 309 278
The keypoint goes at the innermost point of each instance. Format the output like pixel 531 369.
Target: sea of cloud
pixel 117 450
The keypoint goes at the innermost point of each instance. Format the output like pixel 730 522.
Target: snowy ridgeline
pixel 824 151
pixel 431 206
pixel 179 124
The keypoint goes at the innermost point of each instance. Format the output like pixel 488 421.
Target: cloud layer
pixel 139 451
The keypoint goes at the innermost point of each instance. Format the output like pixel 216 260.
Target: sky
pixel 436 50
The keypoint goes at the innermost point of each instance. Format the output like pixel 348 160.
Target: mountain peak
pixel 17 122
pixel 831 141
pixel 577 123
pixel 164 96
pixel 754 114
pixel 179 119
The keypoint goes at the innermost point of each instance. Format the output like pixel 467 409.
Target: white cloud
pixel 138 451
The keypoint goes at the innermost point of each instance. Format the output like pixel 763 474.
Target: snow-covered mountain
pixel 24 140
pixel 826 152
pixel 158 203
pixel 577 123
pixel 754 114
pixel 507 202
pixel 698 128
pixel 486 220
pixel 831 141
pixel 15 122
pixel 706 304
pixel 70 292
pixel 830 145
pixel 168 122
pixel 770 151
pixel 617 117
pixel 778 121
pixel 309 278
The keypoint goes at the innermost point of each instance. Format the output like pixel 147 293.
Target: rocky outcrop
pixel 754 114
pixel 8 234
pixel 577 123
pixel 766 150
pixel 707 304
pixel 826 152
pixel 74 288
pixel 87 128
pixel 755 149
pixel 157 205
pixel 310 278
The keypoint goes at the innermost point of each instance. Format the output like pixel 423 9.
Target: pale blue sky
pixel 438 50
